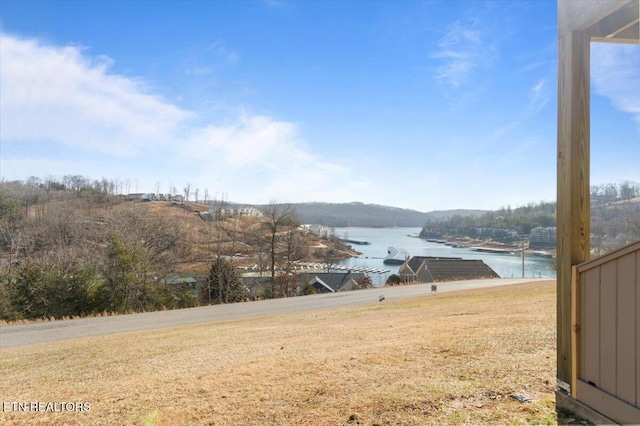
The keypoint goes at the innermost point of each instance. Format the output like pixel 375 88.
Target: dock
pixel 324 267
pixel 300 267
pixel 492 250
pixel 360 243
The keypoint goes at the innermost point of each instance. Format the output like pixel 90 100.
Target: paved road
pixel 28 334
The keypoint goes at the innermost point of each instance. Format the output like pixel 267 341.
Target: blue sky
pixel 425 105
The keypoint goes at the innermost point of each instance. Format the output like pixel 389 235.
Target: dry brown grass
pixel 446 359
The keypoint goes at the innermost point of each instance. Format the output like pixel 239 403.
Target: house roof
pixel 256 285
pixel 415 262
pixel 181 280
pixel 334 280
pixel 459 269
pixel 452 268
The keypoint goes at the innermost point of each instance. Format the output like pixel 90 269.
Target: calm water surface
pixel 505 265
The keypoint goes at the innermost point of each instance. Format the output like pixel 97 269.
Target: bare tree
pixel 330 257
pixel 277 217
pixel 293 250
pixel 285 285
pixel 141 250
pixel 633 223
pixel 10 221
pixel 294 247
pixel 187 193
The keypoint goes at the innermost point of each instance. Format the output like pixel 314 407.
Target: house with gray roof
pixel 426 269
pixel 190 283
pixel 331 282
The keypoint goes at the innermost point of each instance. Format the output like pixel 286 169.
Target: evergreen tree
pixel 223 284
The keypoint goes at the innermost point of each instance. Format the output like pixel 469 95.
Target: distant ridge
pixel 369 215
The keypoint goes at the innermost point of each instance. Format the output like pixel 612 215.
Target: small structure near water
pixel 396 256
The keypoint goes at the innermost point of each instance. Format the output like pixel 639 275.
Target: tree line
pixel 79 251
pixel 615 218
pixel 611 192
pixel 71 247
pixel 521 219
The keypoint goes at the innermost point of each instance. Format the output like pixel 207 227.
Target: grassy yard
pixel 453 358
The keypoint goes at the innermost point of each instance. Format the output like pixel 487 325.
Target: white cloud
pixel 195 70
pixel 264 158
pixel 463 49
pixel 504 130
pixel 59 95
pixel 250 141
pixel 539 95
pixel 229 55
pixel 91 121
pixel 615 74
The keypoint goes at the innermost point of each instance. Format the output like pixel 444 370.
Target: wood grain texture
pixel 615 409
pixel 576 311
pixel 608 326
pixel 573 214
pixel 590 327
pixel 626 329
pixel 580 15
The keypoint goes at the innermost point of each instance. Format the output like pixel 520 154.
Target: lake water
pixel 505 265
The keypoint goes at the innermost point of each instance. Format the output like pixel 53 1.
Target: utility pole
pixel 522 255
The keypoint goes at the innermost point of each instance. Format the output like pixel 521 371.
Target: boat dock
pixel 317 267
pixel 360 243
pixel 492 250
pixel 324 267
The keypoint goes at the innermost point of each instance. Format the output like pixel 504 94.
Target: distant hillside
pixel 446 214
pixel 369 215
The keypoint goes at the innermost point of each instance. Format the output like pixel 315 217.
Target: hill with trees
pixel 75 247
pixel 615 219
pixel 369 215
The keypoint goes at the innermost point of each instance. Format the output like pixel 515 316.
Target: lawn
pixel 452 358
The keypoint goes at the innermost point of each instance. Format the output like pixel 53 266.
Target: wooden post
pixel 573 209
pixel 579 23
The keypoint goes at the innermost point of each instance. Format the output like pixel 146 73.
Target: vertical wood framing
pixel 575 330
pixel 590 327
pixel 617 410
pixel 598 306
pixel 608 329
pixel 573 179
pixel 626 330
pixel 637 328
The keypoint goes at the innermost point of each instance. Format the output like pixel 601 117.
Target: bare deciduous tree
pixel 277 217
pixel 187 193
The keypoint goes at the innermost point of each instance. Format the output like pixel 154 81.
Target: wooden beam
pixel 579 15
pixel 615 409
pixel 581 410
pixel 573 209
pixel 630 35
pixel 619 26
